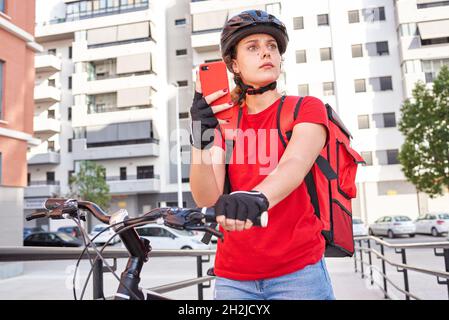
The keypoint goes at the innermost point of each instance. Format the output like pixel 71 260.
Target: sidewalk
pixel 349 285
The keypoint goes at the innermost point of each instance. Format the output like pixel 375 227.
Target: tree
pixel 425 124
pixel 89 184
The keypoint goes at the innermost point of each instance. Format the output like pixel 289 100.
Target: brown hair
pixel 236 93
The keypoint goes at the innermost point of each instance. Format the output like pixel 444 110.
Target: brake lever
pixel 207 229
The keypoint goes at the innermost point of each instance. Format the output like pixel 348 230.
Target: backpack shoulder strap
pixel 287 113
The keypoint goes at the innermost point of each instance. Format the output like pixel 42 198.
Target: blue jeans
pixel 310 283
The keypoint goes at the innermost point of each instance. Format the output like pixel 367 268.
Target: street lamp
pixel 178 148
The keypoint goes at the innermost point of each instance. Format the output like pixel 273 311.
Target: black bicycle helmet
pixel 251 22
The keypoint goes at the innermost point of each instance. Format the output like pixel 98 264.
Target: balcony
pixel 46 94
pixel 47 126
pixel 42 189
pixel 206 40
pixel 44 158
pixel 133 185
pixel 81 151
pixel 47 63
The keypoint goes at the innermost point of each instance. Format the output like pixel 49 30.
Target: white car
pixel 163 237
pixel 392 226
pixel 359 228
pixel 433 223
pixel 104 236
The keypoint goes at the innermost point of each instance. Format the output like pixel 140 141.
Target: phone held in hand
pixel 214 77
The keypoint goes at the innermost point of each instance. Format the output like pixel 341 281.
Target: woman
pixel 285 259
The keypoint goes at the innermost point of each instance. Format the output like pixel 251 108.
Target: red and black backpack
pixel 330 182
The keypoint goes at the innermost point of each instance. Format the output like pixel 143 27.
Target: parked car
pixel 392 226
pixel 51 239
pixel 73 231
pixel 29 230
pixel 433 223
pixel 358 227
pixel 104 236
pixel 163 237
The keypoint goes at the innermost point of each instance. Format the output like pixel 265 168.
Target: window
pixel 298 23
pixel 145 172
pixel 51 114
pixel 353 16
pixel 363 121
pixel 389 120
pixel 301 56
pixel 374 14
pixel 326 54
pixel 2 5
pixel 183 115
pixel 50 177
pixel 432 4
pixel 328 88
pixel 181 52
pixel 69 145
pixel 392 156
pixel 303 90
pixel 70 52
pixel 52 52
pixel 382 48
pixel 180 22
pixel 323 19
pixel 51 146
pixel 69 113
pixel 357 51
pixel 2 64
pixel 360 85
pixel 385 83
pixel 70 83
pixel 183 83
pixel 368 157
pixel 384 120
pixel 123 173
pixel 51 82
pixel 28 179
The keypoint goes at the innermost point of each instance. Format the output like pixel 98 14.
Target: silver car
pixel 433 223
pixel 358 227
pixel 392 226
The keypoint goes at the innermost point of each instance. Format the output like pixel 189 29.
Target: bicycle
pixel 193 219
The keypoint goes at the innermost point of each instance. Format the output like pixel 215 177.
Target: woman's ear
pixel 235 66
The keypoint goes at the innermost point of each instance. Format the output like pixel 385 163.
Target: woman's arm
pixel 308 139
pixel 207 175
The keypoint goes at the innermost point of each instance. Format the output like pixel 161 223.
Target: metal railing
pixel 16 254
pixel 402 267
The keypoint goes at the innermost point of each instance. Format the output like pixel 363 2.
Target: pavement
pixel 52 280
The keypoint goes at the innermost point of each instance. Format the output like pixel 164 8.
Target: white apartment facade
pixel 107 96
pixel 119 108
pixel 349 54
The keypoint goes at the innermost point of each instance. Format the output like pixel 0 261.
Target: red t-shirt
pixel 292 240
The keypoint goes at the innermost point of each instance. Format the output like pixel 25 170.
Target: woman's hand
pixel 203 116
pixel 238 210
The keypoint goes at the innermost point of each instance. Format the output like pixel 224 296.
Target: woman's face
pixel 258 60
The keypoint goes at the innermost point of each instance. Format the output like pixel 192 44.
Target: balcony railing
pixel 43 183
pixel 100 13
pixel 133 177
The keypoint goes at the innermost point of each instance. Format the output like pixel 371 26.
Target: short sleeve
pixel 219 139
pixel 312 110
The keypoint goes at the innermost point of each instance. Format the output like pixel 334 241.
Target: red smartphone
pixel 214 77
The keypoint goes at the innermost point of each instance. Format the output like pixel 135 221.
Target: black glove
pixel 242 205
pixel 203 123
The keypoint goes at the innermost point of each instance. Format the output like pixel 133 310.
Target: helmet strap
pixel 247 89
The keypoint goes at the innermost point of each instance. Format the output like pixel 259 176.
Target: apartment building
pixel 352 55
pixel 108 79
pixel 17 50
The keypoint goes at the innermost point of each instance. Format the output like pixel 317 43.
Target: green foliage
pixel 425 124
pixel 89 184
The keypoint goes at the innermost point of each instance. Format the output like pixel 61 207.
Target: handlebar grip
pixel 261 220
pixel 53 203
